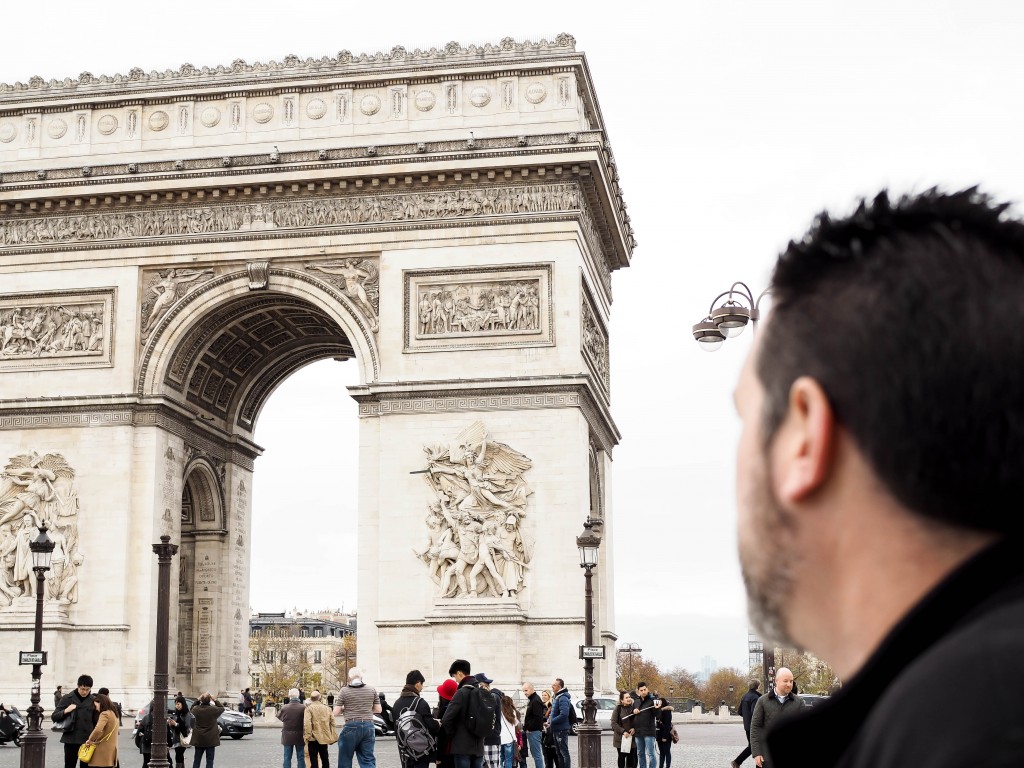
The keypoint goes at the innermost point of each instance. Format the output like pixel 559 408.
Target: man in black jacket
pixel 533 723
pixel 78 706
pixel 747 704
pixel 411 698
pixel 879 476
pixel 467 749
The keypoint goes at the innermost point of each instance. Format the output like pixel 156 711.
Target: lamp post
pixel 164 551
pixel 589 731
pixel 728 320
pixel 33 745
pixel 630 648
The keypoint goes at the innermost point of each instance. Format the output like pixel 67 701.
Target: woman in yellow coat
pixel 104 735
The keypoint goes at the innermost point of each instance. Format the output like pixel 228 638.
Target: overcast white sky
pixel 732 123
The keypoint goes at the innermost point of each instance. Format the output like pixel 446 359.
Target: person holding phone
pixel 645 709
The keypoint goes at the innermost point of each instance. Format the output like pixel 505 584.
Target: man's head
pixel 354 675
pixel 84 685
pixel 528 689
pixel 754 685
pixel 459 669
pixel 890 334
pixel 314 696
pixel 415 679
pixel 641 689
pixel 557 684
pixel 293 694
pixel 783 682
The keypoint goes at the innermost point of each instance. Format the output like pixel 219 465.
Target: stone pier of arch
pixel 174 245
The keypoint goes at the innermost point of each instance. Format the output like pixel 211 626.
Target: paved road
pixel 701 746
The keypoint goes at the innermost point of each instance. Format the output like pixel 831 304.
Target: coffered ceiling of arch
pixel 230 363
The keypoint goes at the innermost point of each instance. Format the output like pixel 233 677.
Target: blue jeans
pixel 646 750
pixel 299 759
pixel 199 752
pixel 533 739
pixel 357 738
pixel 469 761
pixel 562 750
pixel 508 752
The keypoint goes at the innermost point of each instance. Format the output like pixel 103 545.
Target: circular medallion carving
pixel 316 109
pixel 480 97
pixel 158 121
pixel 262 113
pixel 425 101
pixel 7 132
pixel 107 125
pixel 536 92
pixel 370 105
pixel 57 128
pixel 210 117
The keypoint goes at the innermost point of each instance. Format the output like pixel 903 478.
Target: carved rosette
pixel 34 491
pixel 476 545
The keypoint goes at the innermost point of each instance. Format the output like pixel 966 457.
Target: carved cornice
pixel 121 411
pixel 290 68
pixel 533 393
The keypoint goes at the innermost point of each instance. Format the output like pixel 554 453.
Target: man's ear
pixel 804 444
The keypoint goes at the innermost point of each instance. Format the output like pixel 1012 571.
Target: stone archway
pixel 175 245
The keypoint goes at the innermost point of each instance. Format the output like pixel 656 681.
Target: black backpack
pixel 573 717
pixel 481 712
pixel 415 741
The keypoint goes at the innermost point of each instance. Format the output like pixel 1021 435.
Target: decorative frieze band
pixel 388 407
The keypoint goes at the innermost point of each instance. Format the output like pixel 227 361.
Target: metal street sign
pixel 32 657
pixel 591 651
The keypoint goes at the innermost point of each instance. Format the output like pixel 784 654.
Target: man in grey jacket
pixel 292 716
pixel 774 706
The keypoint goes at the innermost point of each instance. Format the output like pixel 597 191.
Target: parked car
pixel 605 707
pixel 812 699
pixel 231 723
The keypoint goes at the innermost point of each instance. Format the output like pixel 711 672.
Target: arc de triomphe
pixel 174 244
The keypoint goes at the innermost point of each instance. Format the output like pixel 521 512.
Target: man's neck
pixel 868 578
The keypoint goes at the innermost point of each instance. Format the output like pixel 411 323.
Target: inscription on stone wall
pixel 204 634
pixel 502 306
pixel 54 329
pixel 239 582
pixel 185 626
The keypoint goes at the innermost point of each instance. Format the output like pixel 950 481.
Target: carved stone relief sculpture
pixel 358 278
pixel 451 309
pixel 55 328
pixel 476 545
pixel 595 343
pixel 163 289
pixel 35 490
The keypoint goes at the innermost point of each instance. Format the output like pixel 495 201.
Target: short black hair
pixel 908 314
pixel 415 677
pixel 459 665
pixel 85 680
pixel 640 685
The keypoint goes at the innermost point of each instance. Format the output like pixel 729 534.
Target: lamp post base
pixel 33 749
pixel 590 745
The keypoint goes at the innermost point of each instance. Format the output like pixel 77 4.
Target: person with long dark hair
pixel 622 724
pixel 178 726
pixel 104 734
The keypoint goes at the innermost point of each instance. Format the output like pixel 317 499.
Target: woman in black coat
pixel 177 727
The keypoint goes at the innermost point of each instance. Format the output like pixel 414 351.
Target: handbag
pixel 627 743
pixel 675 735
pixel 65 724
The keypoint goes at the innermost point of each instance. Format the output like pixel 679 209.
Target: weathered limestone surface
pixel 173 245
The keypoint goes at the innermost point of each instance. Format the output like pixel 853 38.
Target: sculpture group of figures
pixel 477 546
pixel 461 309
pixel 290 213
pixel 48 330
pixel 37 490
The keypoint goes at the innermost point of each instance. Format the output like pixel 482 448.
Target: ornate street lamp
pixel 164 551
pixel 33 746
pixel 728 319
pixel 589 731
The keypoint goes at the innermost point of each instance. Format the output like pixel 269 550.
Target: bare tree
pixel 279 655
